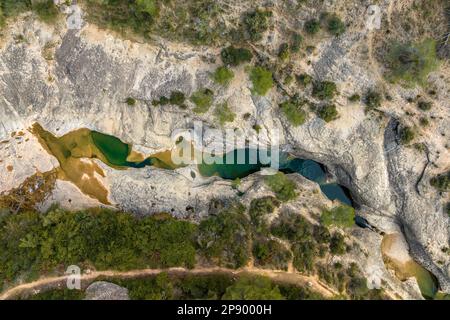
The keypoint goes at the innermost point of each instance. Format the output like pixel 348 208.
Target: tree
pixel 253 288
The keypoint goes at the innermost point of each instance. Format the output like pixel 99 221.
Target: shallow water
pixel 84 143
pixel 428 284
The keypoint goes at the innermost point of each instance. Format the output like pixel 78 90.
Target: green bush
pixel 312 26
pixel 407 135
pixel 131 101
pixel 224 114
pixel 296 43
pixel 411 63
pixel 441 182
pixel 354 98
pixel 232 56
pixel 223 76
pixel 283 52
pixel 335 25
pixel 256 23
pixel 293 112
pixel 203 100
pixel 373 99
pixel 304 79
pixel 424 105
pixel 341 216
pixel 328 112
pixel 424 122
pixel 324 89
pixel 282 186
pixel 261 79
pixel 177 98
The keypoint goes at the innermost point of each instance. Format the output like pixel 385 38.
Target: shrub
pixel 324 89
pixel 354 97
pixel 373 99
pixel 261 79
pixel 282 186
pixel 177 98
pixel 283 52
pixel 312 26
pixel 293 112
pixel 335 25
pixel 407 134
pixel 297 41
pixel 304 79
pixel 424 105
pixel 411 63
pixel 424 122
pixel 235 56
pixel 131 101
pixel 223 75
pixel 328 112
pixel 224 114
pixel 203 100
pixel 341 216
pixel 441 182
pixel 257 22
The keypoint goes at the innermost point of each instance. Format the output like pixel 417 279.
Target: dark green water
pixel 241 163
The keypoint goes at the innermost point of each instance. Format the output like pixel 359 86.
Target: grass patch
pixel 341 216
pixel 410 64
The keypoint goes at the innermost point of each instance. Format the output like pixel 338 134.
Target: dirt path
pixel 279 276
